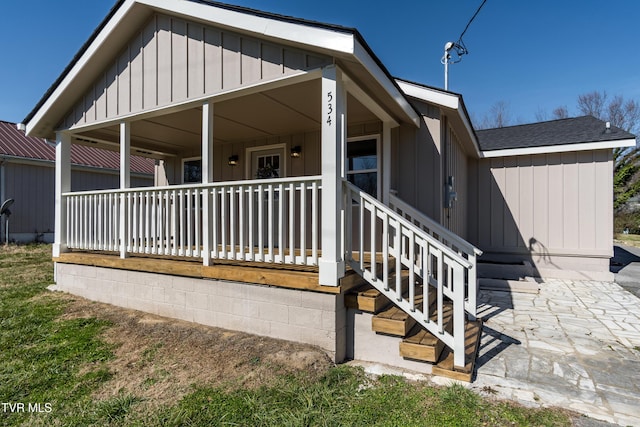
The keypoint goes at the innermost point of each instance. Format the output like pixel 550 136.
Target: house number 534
pixel 329 107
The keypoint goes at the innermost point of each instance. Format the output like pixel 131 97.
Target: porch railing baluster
pixel 260 222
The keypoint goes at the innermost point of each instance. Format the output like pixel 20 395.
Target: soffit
pixel 283 111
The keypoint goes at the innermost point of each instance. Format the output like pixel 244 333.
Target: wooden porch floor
pixel 281 275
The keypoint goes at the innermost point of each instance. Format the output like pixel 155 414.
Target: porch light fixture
pixel 296 151
pixel 233 160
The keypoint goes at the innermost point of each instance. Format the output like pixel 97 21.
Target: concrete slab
pixel 574 345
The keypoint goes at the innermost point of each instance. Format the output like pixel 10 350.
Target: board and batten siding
pixel 32 188
pixel 307 164
pixel 416 162
pixel 545 204
pixel 456 166
pixel 172 60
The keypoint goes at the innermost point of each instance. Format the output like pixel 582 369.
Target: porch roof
pixel 344 44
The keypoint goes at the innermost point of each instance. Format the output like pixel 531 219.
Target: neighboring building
pixel 27 175
pixel 294 167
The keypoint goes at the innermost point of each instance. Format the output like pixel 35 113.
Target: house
pixel 27 172
pixel 292 168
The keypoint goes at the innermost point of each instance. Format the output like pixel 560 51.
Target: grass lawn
pixel 71 362
pixel 628 239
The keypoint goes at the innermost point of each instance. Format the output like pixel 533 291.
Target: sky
pixel 532 55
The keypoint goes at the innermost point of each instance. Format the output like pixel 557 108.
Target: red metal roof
pixel 16 144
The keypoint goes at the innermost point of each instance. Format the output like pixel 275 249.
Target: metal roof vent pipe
pixel 21 126
pixel 607 127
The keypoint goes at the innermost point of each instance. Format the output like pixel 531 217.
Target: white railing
pixel 449 239
pixel 383 247
pixel 273 221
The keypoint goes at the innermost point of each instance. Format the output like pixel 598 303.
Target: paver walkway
pixel 575 345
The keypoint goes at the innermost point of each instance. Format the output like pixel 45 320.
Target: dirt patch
pixel 160 360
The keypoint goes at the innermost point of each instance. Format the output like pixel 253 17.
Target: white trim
pixel 250 150
pixel 441 99
pixel 79 65
pixel 564 148
pixel 323 38
pixel 433 96
pixel 354 89
pixel 333 41
pixel 362 55
pixel 291 79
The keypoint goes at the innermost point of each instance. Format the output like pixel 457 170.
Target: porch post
pixel 333 129
pixel 207 177
pixel 125 182
pixel 63 185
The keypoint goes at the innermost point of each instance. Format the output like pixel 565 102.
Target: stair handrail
pixel 432 227
pixel 432 266
pixel 446 237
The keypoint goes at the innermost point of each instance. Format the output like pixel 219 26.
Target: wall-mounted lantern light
pixel 233 160
pixel 296 151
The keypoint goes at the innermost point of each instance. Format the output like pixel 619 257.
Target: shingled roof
pixel 576 130
pixel 14 143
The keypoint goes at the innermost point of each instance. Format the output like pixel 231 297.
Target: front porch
pixel 282 177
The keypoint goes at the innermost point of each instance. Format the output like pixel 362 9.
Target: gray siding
pixel 32 187
pixel 457 167
pixel 544 204
pixel 417 164
pixel 172 60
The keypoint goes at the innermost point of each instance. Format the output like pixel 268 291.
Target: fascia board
pixel 548 149
pixel 443 100
pixel 322 38
pixel 79 65
pixel 362 55
pixel 439 98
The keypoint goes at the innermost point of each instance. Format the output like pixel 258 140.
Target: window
pixel 268 166
pixel 362 166
pixel 192 170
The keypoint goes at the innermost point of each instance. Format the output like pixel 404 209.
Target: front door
pixel 267 163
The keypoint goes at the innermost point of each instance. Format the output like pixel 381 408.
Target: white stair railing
pixel 272 221
pixel 449 239
pixel 376 234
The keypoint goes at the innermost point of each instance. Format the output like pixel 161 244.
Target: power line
pixel 458 47
pixel 471 20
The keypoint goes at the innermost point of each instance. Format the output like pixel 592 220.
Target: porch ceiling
pixel 282 111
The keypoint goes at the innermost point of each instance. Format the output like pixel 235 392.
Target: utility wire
pixel 471 20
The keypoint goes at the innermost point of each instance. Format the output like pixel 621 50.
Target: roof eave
pixel 444 99
pixel 334 40
pixel 560 148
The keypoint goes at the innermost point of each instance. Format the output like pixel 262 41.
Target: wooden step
pixel 366 298
pixel 421 344
pixel 392 321
pixel 445 368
